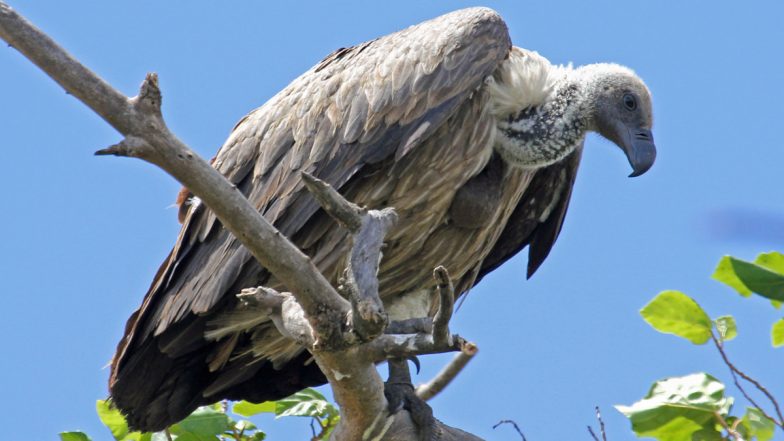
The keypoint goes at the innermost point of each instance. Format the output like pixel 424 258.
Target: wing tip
pixel 533 265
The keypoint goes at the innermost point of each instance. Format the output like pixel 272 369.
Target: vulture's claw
pixel 400 394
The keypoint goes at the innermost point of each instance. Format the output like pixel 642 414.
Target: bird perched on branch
pixel 474 142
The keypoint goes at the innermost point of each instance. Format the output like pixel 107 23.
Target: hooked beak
pixel 638 145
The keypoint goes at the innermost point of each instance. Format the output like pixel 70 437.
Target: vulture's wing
pixel 538 217
pixel 359 106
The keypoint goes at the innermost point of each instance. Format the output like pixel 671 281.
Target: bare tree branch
pixel 737 372
pixel 369 228
pixel 448 373
pixel 283 309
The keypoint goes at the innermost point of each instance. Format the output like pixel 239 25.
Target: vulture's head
pixel 618 107
pixel 544 111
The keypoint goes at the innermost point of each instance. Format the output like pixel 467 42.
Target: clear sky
pixel 83 236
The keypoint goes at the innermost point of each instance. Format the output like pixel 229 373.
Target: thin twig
pixel 312 430
pixel 601 424
pixel 514 424
pixel 732 432
pixel 734 370
pixel 593 435
pixel 448 373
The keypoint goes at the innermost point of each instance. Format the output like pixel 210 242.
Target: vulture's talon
pixel 401 394
pixel 415 360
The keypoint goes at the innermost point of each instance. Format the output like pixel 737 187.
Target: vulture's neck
pixel 544 124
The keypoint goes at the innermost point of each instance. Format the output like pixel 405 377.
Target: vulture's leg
pixel 401 394
pixel 410 326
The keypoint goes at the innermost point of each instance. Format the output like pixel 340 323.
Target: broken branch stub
pixel 446 298
pixel 448 373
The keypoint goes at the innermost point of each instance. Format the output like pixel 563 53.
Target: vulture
pixel 473 141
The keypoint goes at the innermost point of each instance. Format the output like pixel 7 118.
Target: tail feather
pixel 155 389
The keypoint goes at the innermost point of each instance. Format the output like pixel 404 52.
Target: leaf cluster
pixel 217 423
pixel 694 407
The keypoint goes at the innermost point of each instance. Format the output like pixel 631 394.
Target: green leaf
pixel 74 436
pixel 673 312
pixel 329 424
pixel 777 334
pixel 246 408
pixel 244 425
pixel 725 274
pixel 138 436
pixel 761 280
pixel 258 436
pixel 755 278
pixel 707 434
pixel 190 436
pixel 727 327
pixel 757 425
pixel 112 418
pixel 677 408
pixel 203 424
pixel 115 421
pixel 306 402
pixel 773 261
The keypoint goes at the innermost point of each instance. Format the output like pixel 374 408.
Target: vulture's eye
pixel 629 102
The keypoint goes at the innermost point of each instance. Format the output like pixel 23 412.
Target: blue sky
pixel 83 235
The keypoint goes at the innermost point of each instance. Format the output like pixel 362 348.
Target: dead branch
pixel 345 212
pixel 446 292
pixel 314 313
pixel 448 373
pixel 368 318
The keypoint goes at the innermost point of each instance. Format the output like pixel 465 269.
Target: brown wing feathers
pixel 537 219
pixel 361 106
